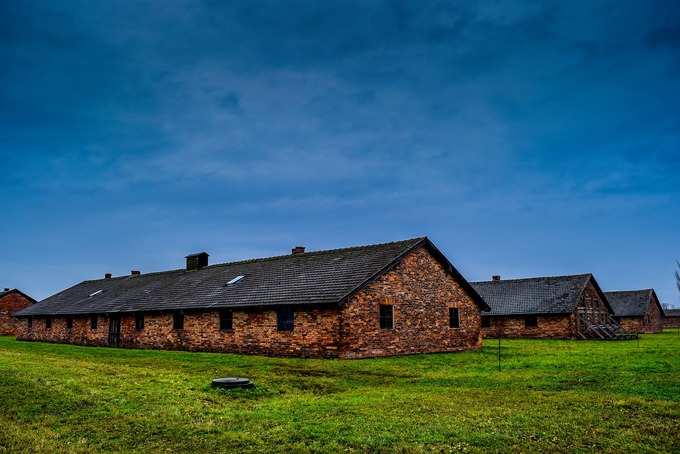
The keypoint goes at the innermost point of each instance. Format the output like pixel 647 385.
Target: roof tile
pixel 630 303
pixel 539 295
pixel 312 277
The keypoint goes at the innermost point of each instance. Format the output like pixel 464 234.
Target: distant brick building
pixel 559 307
pixel 638 311
pixel 11 301
pixel 671 318
pixel 379 300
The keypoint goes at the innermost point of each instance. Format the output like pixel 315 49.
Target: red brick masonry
pixel 418 287
pixel 547 327
pixel 672 321
pixel 651 322
pixel 10 303
pixel 555 326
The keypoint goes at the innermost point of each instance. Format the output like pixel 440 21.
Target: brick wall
pixel 80 332
pixel 651 322
pixel 254 331
pixel 9 304
pixel 631 324
pixel 421 292
pixel 557 326
pixel 548 327
pixel 418 287
pixel 671 322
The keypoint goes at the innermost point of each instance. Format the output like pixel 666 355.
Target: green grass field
pixel 550 396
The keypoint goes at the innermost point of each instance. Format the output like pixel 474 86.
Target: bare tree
pixel 677 276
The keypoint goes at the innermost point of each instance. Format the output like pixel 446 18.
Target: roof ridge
pixel 264 259
pixel 127 276
pixel 311 253
pixel 632 291
pixel 316 277
pixel 533 278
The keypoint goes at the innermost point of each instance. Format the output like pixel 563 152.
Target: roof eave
pixel 522 314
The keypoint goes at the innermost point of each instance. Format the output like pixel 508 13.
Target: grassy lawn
pixel 550 396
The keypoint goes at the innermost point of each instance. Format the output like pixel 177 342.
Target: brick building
pixel 387 299
pixel 638 311
pixel 11 301
pixel 560 307
pixel 671 318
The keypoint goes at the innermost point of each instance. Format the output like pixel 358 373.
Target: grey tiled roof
pixel 630 303
pixel 314 277
pixel 538 295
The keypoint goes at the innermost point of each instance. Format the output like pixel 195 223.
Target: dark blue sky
pixel 524 139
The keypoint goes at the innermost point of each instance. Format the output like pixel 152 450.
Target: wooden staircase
pixel 607 330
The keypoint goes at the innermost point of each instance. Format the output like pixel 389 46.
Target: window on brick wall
pixel 30 322
pixel 531 321
pixel 139 321
pixel 285 318
pixel 226 320
pixel 69 323
pixel 386 316
pixel 93 322
pixel 48 323
pixel 486 322
pixel 178 320
pixel 454 317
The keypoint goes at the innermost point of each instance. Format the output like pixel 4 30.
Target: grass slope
pixel 550 396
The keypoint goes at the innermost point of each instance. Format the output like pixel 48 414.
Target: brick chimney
pixel 298 250
pixel 197 261
pixel 107 276
pixel 135 273
pixel 496 277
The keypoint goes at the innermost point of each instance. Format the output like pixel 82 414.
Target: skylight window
pixel 235 280
pixel 96 293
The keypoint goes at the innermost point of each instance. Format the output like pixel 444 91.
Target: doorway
pixel 114 330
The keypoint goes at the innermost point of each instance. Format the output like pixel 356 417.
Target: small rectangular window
pixel 531 321
pixel 48 323
pixel 139 321
pixel 226 320
pixel 386 316
pixel 178 320
pixel 93 322
pixel 454 317
pixel 69 323
pixel 285 318
pixel 30 322
pixel 486 322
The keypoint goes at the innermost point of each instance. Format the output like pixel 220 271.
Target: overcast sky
pixel 523 139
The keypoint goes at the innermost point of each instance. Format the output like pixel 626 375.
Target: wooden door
pixel 114 330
